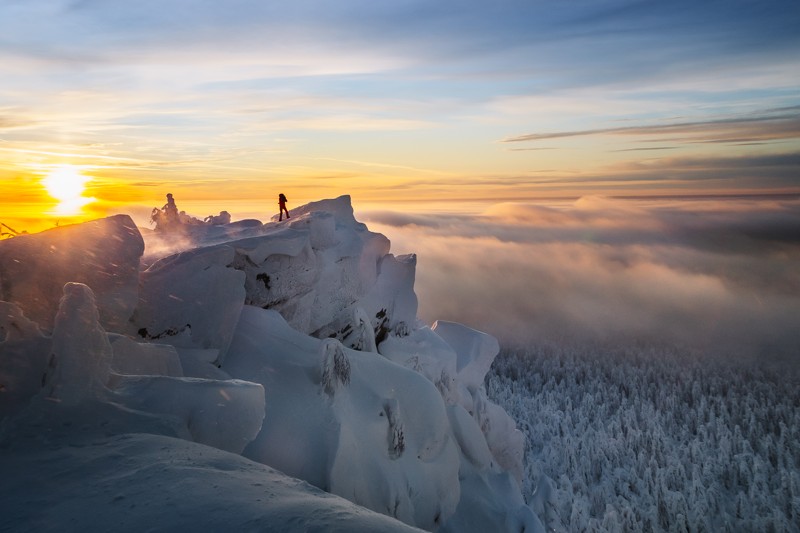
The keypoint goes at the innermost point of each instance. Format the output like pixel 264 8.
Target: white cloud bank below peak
pixel 717 275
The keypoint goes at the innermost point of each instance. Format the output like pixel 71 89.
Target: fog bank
pixel 716 275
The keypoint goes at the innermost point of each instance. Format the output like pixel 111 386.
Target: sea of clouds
pixel 716 275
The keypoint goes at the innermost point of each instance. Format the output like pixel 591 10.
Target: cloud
pixel 399 220
pixel 628 40
pixel 710 174
pixel 740 129
pixel 717 276
pixel 8 122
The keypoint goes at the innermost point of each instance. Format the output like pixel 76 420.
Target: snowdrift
pixel 263 375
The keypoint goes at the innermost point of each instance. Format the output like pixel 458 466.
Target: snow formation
pixel 255 355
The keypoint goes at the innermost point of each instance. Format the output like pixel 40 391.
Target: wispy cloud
pixel 740 129
pixel 8 122
pixel 647 149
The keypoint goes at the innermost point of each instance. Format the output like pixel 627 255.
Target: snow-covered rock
pixel 475 350
pixel 14 325
pixel 349 422
pixel 191 299
pixel 318 268
pixel 80 358
pixel 295 344
pixel 103 254
pixel 137 358
pixel 423 351
pixel 24 352
pixel 223 414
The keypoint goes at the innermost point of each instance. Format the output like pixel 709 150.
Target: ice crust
pixel 294 344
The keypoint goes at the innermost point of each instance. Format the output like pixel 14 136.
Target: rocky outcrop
pixel 102 254
pixel 295 344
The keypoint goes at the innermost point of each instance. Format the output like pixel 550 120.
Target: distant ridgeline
pixel 295 345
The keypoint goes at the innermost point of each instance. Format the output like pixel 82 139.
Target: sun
pixel 66 184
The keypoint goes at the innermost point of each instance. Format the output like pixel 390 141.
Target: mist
pixel 718 276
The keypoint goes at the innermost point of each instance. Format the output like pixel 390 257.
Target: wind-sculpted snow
pixel 191 299
pixel 80 358
pixel 316 270
pixel 360 415
pixel 145 482
pixel 377 433
pixel 135 358
pixel 294 344
pixel 223 414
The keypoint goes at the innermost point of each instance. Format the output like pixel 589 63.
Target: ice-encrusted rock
pixel 407 431
pixel 491 446
pixel 14 325
pixel 138 358
pixel 423 351
pixel 362 337
pixel 490 497
pixel 475 350
pixel 24 351
pixel 506 442
pixel 199 363
pixel 316 268
pixel 392 300
pixel 223 414
pixel 335 366
pixel 315 271
pixel 382 440
pixel 80 358
pixel 321 227
pixel 191 299
pixel 103 254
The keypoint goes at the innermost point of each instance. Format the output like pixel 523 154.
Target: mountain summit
pixel 197 378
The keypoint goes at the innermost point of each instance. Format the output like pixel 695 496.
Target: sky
pixel 418 105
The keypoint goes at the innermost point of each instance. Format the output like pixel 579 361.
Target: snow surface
pixel 242 376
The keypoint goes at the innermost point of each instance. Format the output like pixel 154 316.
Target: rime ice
pixel 292 345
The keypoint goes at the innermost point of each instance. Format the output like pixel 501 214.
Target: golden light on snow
pixel 66 184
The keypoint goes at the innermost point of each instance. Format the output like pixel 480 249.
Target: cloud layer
pixel 715 275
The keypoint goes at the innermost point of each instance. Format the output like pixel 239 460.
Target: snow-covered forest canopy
pixel 645 438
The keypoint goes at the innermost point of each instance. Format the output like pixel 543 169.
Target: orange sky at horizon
pixel 116 185
pixel 112 187
pixel 27 206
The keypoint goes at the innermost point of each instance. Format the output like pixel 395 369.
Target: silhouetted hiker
pixel 170 209
pixel 282 207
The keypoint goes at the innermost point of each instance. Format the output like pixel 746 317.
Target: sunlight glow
pixel 66 184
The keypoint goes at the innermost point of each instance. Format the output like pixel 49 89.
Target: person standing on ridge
pixel 282 207
pixel 170 209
